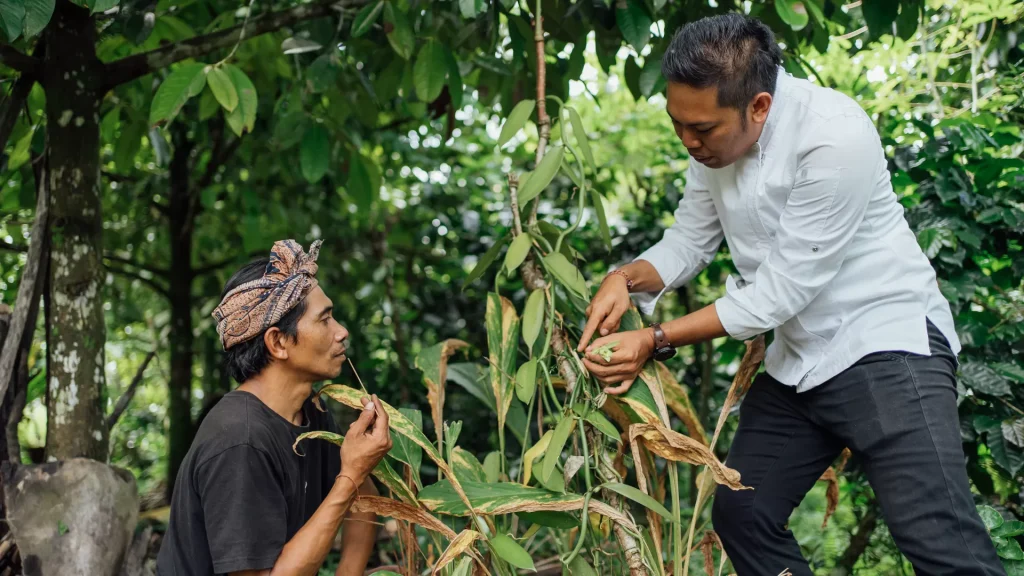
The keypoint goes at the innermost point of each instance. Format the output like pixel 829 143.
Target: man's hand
pixel 367 441
pixel 628 356
pixel 606 309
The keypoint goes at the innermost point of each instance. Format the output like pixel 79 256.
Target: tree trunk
pixel 180 337
pixel 72 79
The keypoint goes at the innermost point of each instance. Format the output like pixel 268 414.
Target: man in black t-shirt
pixel 244 503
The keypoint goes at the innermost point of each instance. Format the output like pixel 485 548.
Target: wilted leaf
pixel 567 274
pixel 433 362
pixel 741 382
pixel 639 497
pixel 510 551
pixel 673 446
pixel 516 120
pixel 333 438
pixel 831 494
pixel 679 402
pixel 554 451
pixel 502 324
pixel 517 252
pixel 572 466
pixel 541 176
pixel 533 317
pixel 459 545
pixel 485 261
pixel 707 546
pixel 526 381
pixel 401 511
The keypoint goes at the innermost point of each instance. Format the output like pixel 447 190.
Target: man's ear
pixel 759 107
pixel 273 339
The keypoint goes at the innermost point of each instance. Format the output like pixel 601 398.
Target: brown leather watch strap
pixel 660 340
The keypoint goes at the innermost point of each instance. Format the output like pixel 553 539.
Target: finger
pixel 363 423
pixel 611 322
pixel 621 388
pixel 365 401
pixel 383 420
pixel 597 370
pixel 588 331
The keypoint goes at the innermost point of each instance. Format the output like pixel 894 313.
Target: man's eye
pixel 704 131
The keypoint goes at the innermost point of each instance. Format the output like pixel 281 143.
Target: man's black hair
pixel 731 51
pixel 247 359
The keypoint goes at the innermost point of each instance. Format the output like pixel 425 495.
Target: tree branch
pixel 156 286
pixel 151 269
pixel 9 247
pixel 13 106
pixel 19 61
pixel 138 65
pixel 126 398
pixel 214 266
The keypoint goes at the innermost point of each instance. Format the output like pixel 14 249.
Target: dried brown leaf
pixel 461 544
pixel 843 459
pixel 707 546
pixel 401 511
pixel 676 447
pixel 433 362
pixel 679 402
pixel 831 493
pixel 741 382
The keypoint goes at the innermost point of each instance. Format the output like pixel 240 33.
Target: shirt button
pixel 814 248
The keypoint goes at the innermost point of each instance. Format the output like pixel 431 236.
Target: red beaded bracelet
pixel 620 272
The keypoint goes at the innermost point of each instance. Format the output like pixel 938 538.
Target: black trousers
pixel 897 412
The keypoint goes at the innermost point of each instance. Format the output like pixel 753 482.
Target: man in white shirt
pixel 794 178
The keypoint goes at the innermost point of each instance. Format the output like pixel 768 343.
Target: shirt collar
pixel 764 140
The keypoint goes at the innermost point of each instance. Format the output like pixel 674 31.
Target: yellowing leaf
pixel 459 545
pixel 502 323
pixel 401 511
pixel 679 402
pixel 673 446
pixel 516 120
pixel 433 362
pixel 467 467
pixel 533 453
pixel 383 472
pixel 541 176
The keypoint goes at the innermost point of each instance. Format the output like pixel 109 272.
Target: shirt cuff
pixel 669 268
pixel 737 321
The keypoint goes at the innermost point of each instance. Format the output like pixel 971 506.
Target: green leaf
pixel 907 21
pixel 879 15
pixel 243 118
pixel 296 45
pixel 541 176
pixel 315 153
pixel 393 480
pixel 516 120
pixel 551 519
pixel 932 240
pixel 21 153
pixel 1013 567
pixel 990 517
pixel 517 253
pixel 128 144
pixel 651 80
pixel 37 16
pixel 366 18
pixel 62 528
pixel 580 567
pixel 101 5
pixel 510 551
pixel 526 381
pixel 635 24
pixel 554 451
pixel 184 82
pixel 1009 529
pixel 631 71
pixel 1009 370
pixel 486 498
pixel 567 274
pixel 492 467
pixel 470 8
pixel 429 71
pixel 401 37
pixel 223 89
pixel 597 420
pixel 602 219
pixel 363 181
pixel 792 12
pixel 467 467
pixel 982 378
pixel 485 261
pixel 208 105
pixel 533 317
pixel 405 450
pixel 12 18
pixel 581 138
pixel 1010 550
pixel 1013 431
pixel 639 497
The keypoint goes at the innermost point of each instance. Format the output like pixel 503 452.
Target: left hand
pixel 633 350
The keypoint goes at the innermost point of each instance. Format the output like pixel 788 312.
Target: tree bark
pixel 72 77
pixel 180 337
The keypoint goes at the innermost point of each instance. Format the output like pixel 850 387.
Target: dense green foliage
pixel 375 128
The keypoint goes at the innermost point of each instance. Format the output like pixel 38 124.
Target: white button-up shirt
pixel 825 256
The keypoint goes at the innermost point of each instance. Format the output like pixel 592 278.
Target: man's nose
pixel 342 334
pixel 690 139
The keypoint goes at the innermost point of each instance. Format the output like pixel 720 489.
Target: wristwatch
pixel 663 349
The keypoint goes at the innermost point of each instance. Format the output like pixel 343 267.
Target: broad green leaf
pixel 492 467
pixel 631 71
pixel 581 137
pixel 580 567
pixel 635 24
pixel 907 21
pixel 491 498
pixel 12 18
pixel 602 219
pixel 792 12
pixel 526 381
pixel 485 261
pixel 533 317
pixel 567 274
pixel 37 16
pixel 128 144
pixel 366 18
pixel 429 71
pixel 517 252
pixel 990 517
pixel 315 153
pixel 404 449
pixel 510 551
pixel 516 120
pixel 400 36
pixel 533 453
pixel 158 144
pixel 639 497
pixel 542 175
pixel 433 362
pixel 1009 370
pixel 393 480
pixel 223 89
pixel 879 15
pixel 363 184
pixel 21 153
pixel 597 420
pixel 470 8
pixel 184 82
pixel 553 453
pixel 1010 550
pixel 243 118
pixel 1009 529
pixel 560 520
pixel 984 379
pixel 502 323
pixel 467 467
pixel 651 81
pixel 208 105
pixel 101 5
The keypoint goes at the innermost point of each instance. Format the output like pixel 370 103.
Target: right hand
pixel 367 441
pixel 606 309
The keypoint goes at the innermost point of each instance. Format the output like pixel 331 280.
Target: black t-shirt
pixel 242 492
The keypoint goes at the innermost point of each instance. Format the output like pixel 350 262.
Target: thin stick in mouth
pixel 360 380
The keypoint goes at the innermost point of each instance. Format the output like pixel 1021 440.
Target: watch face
pixel 665 353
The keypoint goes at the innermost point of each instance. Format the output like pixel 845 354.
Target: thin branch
pixel 19 61
pixel 126 398
pixel 155 270
pixel 138 65
pixel 214 266
pixel 156 286
pixel 13 106
pixel 9 247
